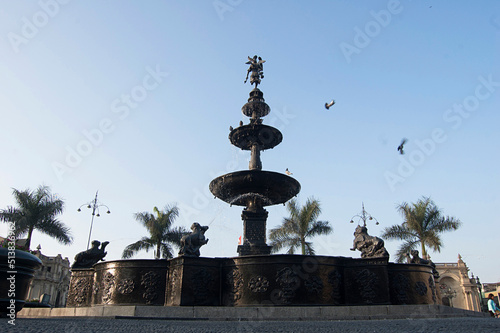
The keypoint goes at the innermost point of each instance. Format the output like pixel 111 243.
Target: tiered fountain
pixel 256 277
pixel 254 188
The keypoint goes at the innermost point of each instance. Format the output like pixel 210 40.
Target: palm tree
pixel 301 224
pixel 161 234
pixel 423 222
pixel 37 210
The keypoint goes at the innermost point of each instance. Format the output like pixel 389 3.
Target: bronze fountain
pixel 255 276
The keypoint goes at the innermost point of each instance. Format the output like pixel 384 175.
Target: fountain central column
pixel 254 188
pixel 255 163
pixel 254 232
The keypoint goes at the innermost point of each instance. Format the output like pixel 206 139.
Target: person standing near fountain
pixel 492 307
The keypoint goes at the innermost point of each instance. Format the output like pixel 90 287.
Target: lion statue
pixel 370 246
pixel 190 244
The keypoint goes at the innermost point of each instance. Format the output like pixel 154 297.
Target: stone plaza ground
pixel 143 319
pixel 90 325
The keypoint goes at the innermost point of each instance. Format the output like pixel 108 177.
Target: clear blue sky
pixel 135 99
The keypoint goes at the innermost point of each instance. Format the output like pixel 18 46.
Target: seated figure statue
pixel 413 258
pixel 190 244
pixel 370 246
pixel 86 259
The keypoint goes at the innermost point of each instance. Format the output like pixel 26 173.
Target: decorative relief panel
pixel 258 284
pixel 366 284
pixel 125 286
pixel 335 280
pixel 202 283
pixel 234 283
pixel 420 288
pixel 150 281
pixel 173 286
pixel 79 291
pixel 108 286
pixel 314 285
pixel 95 288
pixel 289 283
pixel 401 285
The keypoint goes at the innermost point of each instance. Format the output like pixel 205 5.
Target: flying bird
pixel 288 172
pixel 400 147
pixel 329 105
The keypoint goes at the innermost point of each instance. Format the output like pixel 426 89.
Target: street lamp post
pixel 364 216
pixel 94 204
pixel 451 294
pixel 480 289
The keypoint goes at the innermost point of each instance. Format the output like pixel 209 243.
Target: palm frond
pixel 298 226
pixel 166 251
pixel 55 229
pixel 423 223
pixel 309 249
pixel 162 235
pixel 175 235
pixel 433 241
pixel 398 232
pixel 319 228
pixel 283 242
pixel 37 210
pixel 142 244
pixel 405 249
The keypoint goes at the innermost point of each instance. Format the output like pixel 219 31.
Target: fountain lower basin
pixel 280 280
pixel 242 188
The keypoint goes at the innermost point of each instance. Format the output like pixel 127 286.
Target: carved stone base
pixel 80 287
pixel 193 281
pixel 251 250
pixel 253 280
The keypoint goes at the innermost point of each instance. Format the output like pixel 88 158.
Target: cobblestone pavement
pixel 76 325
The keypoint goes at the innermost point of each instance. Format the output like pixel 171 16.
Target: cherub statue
pixel 257 68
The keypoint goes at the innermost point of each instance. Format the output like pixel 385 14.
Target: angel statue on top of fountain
pixel 257 68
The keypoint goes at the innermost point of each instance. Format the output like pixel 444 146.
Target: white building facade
pixel 456 287
pixel 52 279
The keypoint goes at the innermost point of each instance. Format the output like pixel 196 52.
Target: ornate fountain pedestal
pixel 254 231
pixel 193 281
